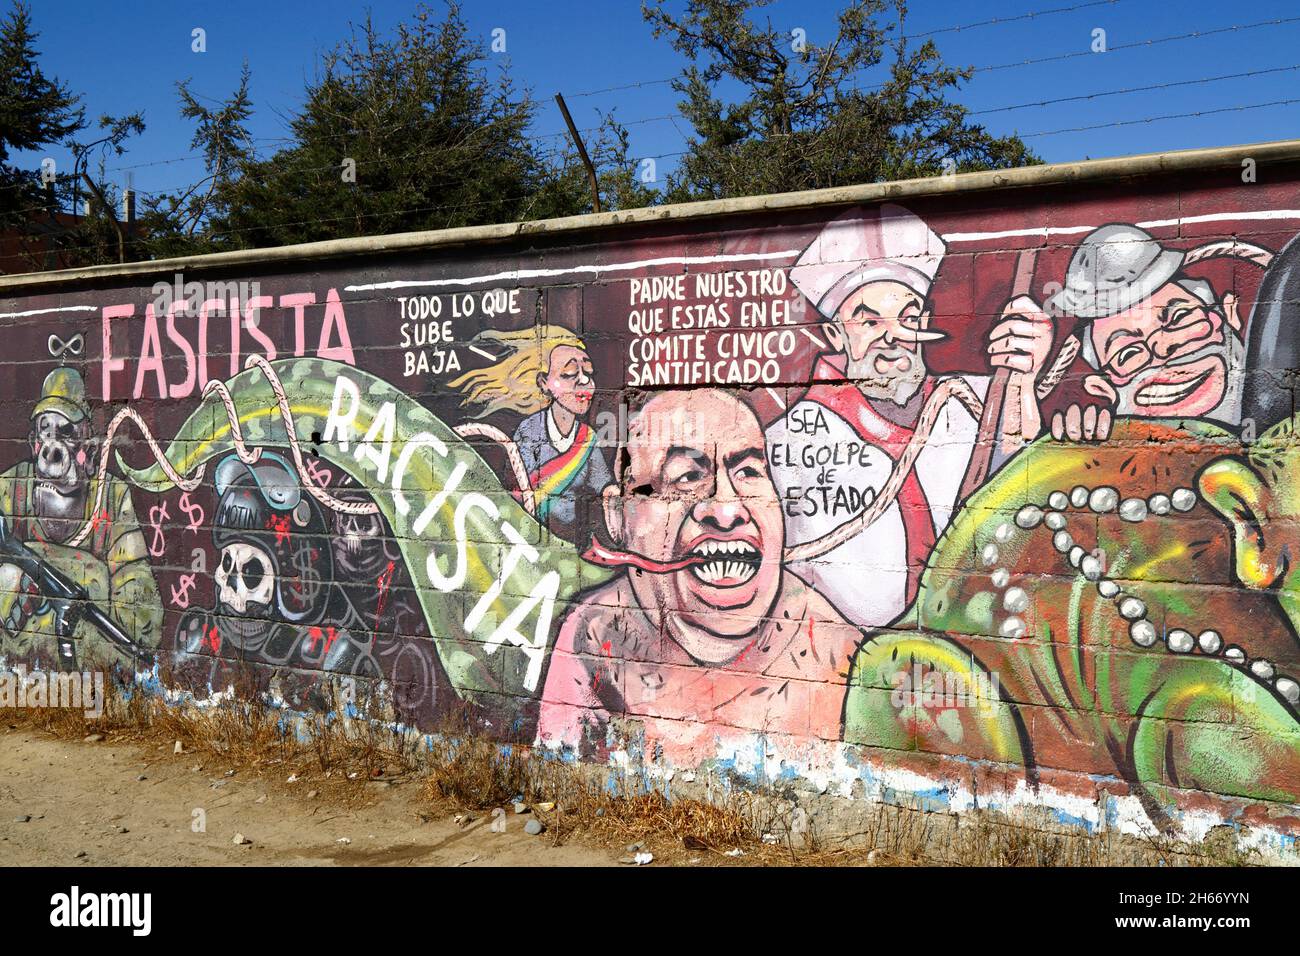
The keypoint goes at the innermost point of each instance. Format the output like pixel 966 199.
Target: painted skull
pixel 359 543
pixel 245 577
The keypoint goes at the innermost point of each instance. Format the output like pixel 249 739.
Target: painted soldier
pixel 48 502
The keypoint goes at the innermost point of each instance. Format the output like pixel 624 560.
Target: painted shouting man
pixel 869 275
pixel 703 633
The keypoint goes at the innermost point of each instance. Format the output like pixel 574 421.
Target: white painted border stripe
pixel 62 308
pixel 1045 232
pixel 1263 214
pixel 572 270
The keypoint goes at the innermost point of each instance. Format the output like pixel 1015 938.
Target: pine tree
pixel 805 116
pixel 35 111
pixel 398 133
pixel 175 223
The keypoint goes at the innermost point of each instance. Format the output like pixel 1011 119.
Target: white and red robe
pixel 830 454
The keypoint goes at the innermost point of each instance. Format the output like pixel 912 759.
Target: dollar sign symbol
pixel 157 515
pixel 308 581
pixel 190 507
pixel 319 475
pixel 181 596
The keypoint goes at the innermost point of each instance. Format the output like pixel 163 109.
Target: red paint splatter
pixel 383 582
pixel 280 525
pixel 607 648
pixel 212 639
pixel 315 636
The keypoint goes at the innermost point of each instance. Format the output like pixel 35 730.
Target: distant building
pixel 36 248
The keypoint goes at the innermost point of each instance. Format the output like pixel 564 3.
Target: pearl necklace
pixel 1130 608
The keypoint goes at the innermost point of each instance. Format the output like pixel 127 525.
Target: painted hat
pixel 64 391
pixel 858 247
pixel 1114 268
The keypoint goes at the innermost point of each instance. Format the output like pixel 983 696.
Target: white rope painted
pixel 102 472
pixel 484 430
pixel 948 388
pixel 290 430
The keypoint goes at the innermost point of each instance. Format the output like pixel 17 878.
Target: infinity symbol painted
pixel 59 348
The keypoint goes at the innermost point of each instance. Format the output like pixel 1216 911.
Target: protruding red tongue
pixel 609 558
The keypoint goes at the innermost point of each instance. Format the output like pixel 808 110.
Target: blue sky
pixel 128 55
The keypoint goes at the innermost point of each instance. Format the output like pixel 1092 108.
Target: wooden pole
pixel 996 400
pixel 582 152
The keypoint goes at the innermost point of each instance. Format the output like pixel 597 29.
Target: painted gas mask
pixel 61 451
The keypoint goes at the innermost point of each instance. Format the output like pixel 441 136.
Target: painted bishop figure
pixel 869 275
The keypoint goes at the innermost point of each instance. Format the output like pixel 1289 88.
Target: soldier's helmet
pixel 1112 270
pixel 64 391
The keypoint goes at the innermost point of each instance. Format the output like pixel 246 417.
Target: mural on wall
pixel 704 627
pixel 73 563
pixel 914 486
pixel 547 377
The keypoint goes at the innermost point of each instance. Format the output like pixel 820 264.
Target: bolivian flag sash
pixel 556 476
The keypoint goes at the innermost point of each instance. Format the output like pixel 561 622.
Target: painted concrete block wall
pixel 990 494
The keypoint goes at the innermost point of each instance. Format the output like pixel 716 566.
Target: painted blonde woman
pixel 545 375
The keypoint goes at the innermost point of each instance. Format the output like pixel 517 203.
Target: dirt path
pixel 77 803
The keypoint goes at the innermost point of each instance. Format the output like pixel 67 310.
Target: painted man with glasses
pixel 1159 342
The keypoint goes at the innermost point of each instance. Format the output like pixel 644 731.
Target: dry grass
pixel 245 733
pixel 477 774
pixel 474 774
pixel 911 836
pixel 463 772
